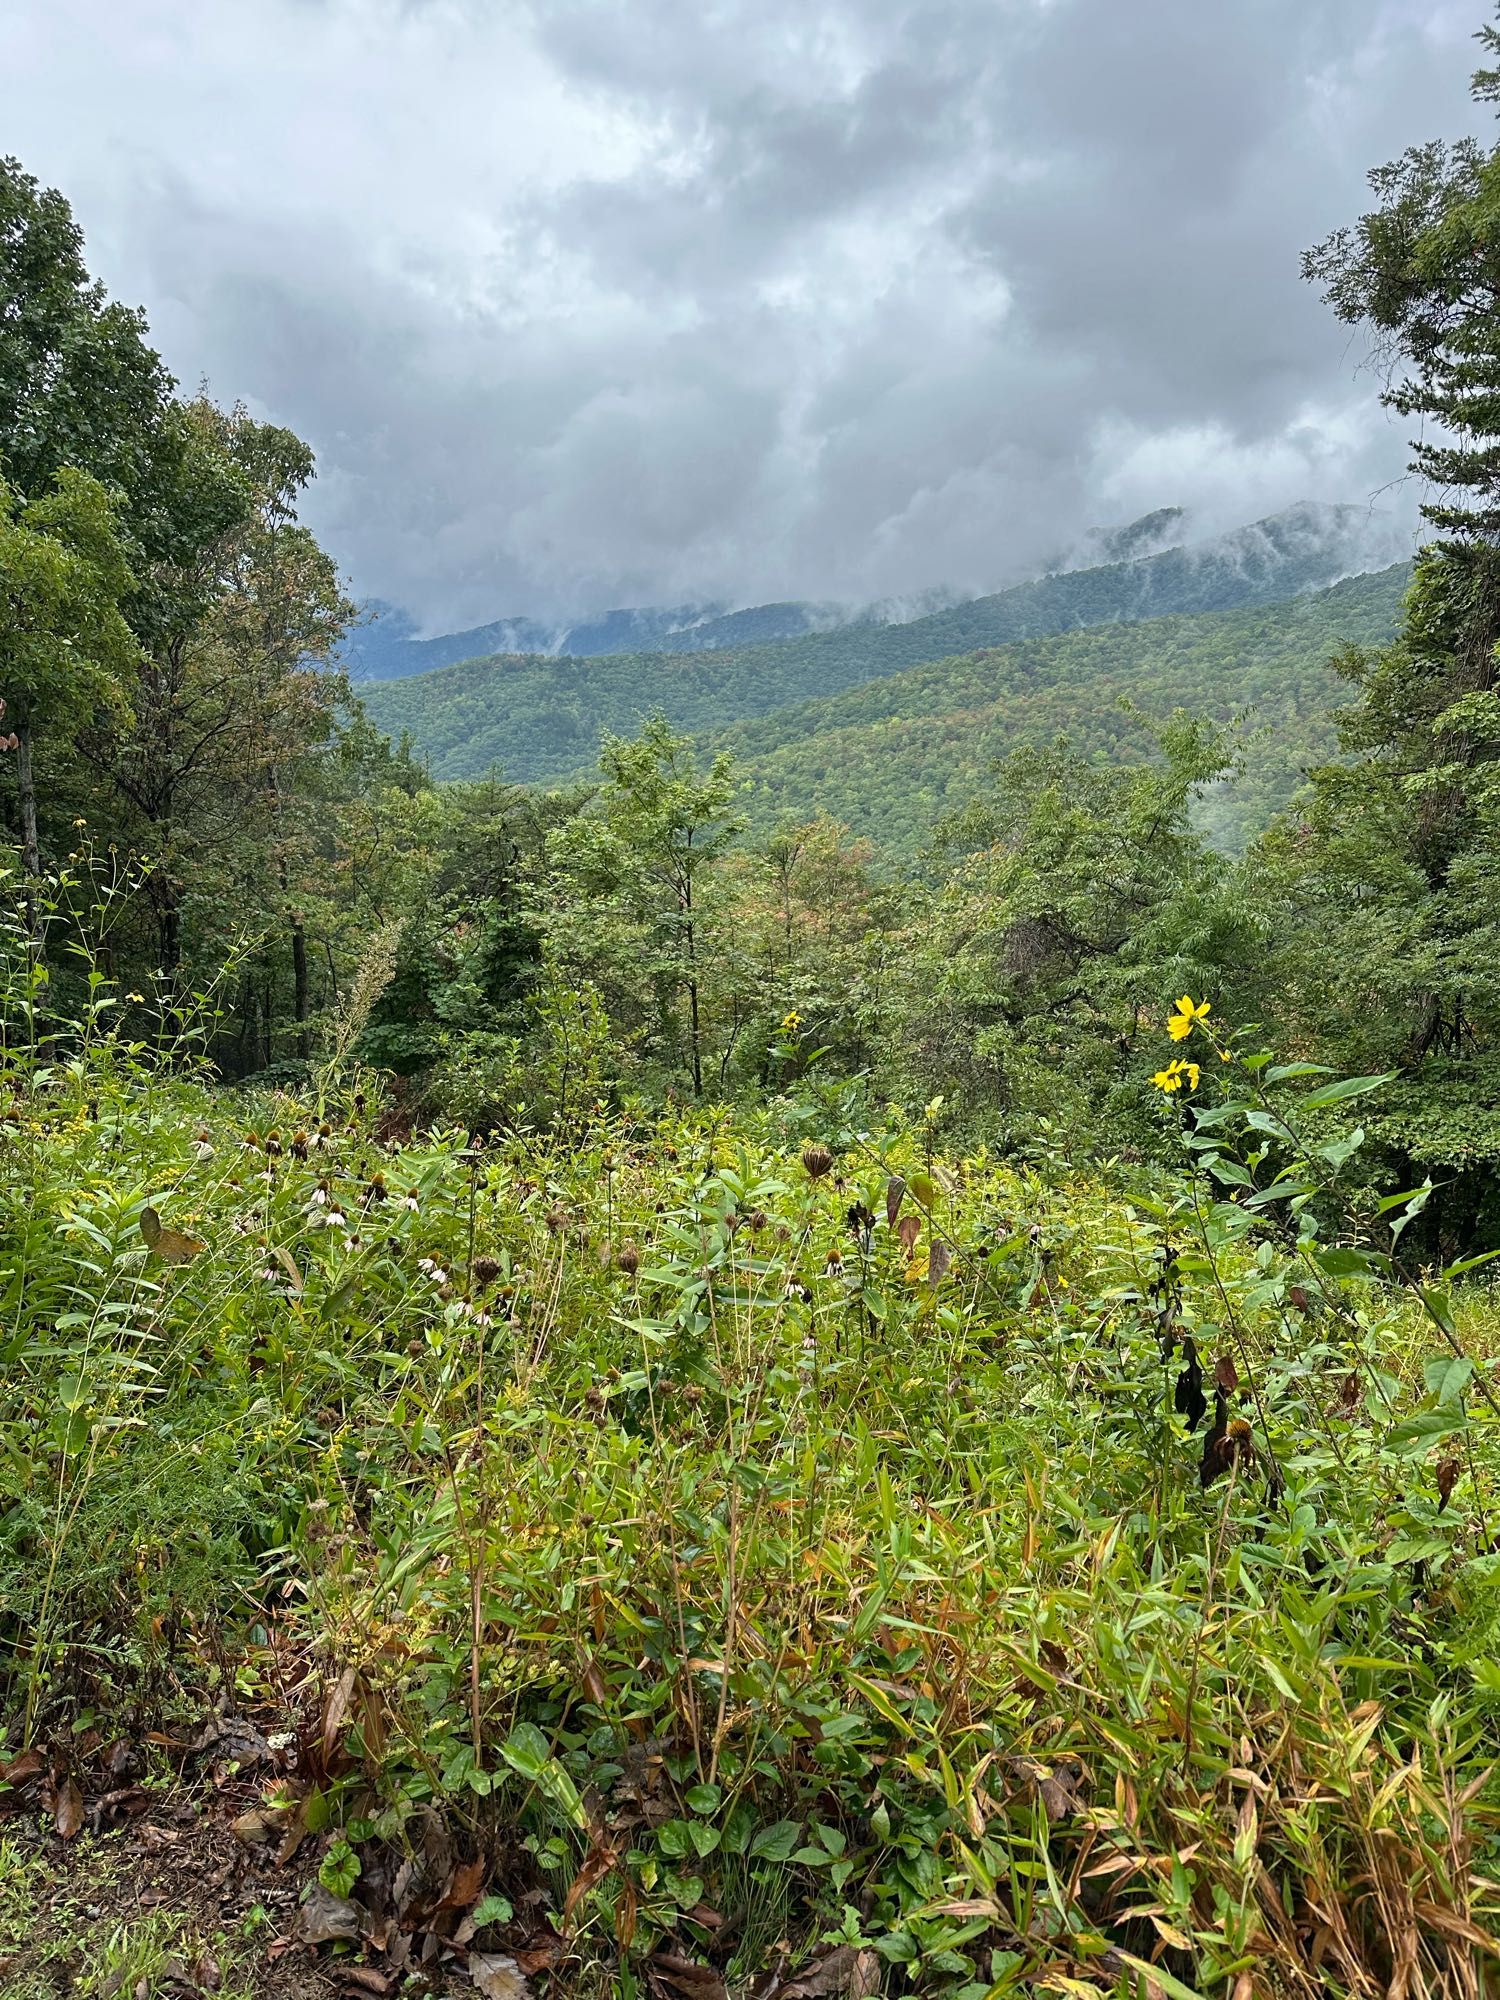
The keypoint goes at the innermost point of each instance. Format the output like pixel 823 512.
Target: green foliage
pixel 541 720
pixel 657 1491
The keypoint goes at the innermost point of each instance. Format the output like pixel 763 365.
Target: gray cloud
pixel 594 301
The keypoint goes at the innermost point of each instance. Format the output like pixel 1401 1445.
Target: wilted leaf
pixel 938 1260
pixel 497 1976
pixel 909 1228
pixel 327 1919
pixel 895 1194
pixel 1447 1478
pixel 597 1863
pixel 677 1978
pixel 367 1979
pixel 1226 1375
pixel 67 1813
pixel 1188 1398
pixel 256 1827
pixel 847 1973
pixel 333 1714
pixel 23 1770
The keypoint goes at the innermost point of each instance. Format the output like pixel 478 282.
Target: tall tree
pixel 66 650
pixel 235 702
pixel 633 874
pixel 1389 870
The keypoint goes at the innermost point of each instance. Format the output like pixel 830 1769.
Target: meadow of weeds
pixel 762 1556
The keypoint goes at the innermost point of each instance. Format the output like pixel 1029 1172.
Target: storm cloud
pixel 592 302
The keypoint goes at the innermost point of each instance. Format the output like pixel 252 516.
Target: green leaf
pixel 1343 1261
pixel 777 1842
pixel 1447 1377
pixel 1343 1090
pixel 1413 1436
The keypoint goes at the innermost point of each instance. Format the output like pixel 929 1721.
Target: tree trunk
pixel 31 851
pixel 26 779
pixel 301 991
pixel 692 987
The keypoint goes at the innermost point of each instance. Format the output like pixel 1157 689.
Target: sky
pixel 585 303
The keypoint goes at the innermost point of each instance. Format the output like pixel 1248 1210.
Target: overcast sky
pixel 592 302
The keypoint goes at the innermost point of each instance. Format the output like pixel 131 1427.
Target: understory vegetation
pixel 607 1397
pixel 757 1534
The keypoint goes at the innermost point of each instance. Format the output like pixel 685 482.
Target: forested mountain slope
pixel 540 719
pixel 891 757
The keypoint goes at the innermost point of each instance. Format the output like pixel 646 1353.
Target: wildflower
pixel 1185 1016
pixel 1175 1075
pixel 411 1203
pixel 138 998
pixel 791 1022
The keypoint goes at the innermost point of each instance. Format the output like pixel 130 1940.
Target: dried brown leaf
pixel 597 1863
pixel 847 1973
pixel 327 1919
pixel 498 1976
pixel 895 1194
pixel 678 1978
pixel 335 1710
pixel 67 1812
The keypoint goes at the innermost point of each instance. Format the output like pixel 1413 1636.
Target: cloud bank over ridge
pixel 589 302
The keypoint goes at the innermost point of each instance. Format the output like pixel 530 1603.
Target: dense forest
pixel 796 1320
pixel 540 720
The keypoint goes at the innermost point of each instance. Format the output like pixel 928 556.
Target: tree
pixel 235 701
pixel 1082 898
pixel 1386 875
pixel 632 874
pixel 81 387
pixel 65 647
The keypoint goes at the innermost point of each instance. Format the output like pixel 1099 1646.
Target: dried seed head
pixel 557 1222
pixel 758 1220
pixel 486 1270
pixel 628 1257
pixel 817 1159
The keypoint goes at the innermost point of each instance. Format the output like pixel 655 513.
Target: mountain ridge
pixel 540 718
pixel 388 647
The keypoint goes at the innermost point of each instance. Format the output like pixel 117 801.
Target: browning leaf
pixel 677 1978
pixel 1226 1375
pixel 1188 1398
pixel 597 1863
pixel 909 1228
pixel 67 1813
pixel 895 1194
pixel 848 1973
pixel 327 1919
pixel 497 1976
pixel 1447 1478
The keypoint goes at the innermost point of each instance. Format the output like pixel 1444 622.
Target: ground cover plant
pixel 748 1553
